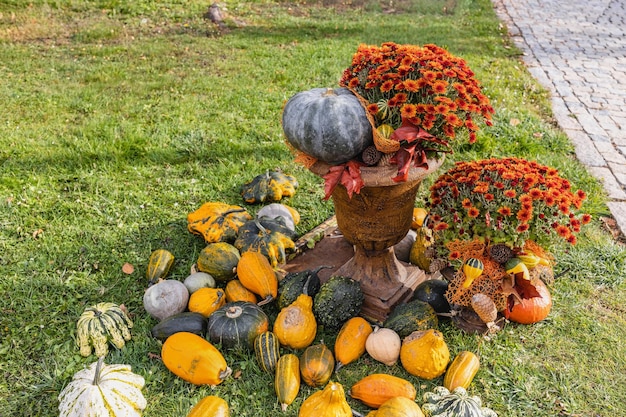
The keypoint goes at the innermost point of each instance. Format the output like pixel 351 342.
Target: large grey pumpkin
pixel 328 124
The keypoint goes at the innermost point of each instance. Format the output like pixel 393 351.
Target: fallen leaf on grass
pixel 128 268
pixel 514 122
pixel 37 233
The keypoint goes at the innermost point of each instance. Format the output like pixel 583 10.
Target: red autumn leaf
pixel 351 178
pixel 403 158
pixel 331 179
pixel 409 133
pixel 348 174
pixel 526 289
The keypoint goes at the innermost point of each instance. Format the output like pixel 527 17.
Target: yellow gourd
pixel 287 379
pixel 206 301
pixel 399 407
pixel 210 406
pixel 461 371
pixel 256 274
pixel 329 402
pixel 472 269
pixel 425 354
pixel 295 325
pixel 350 343
pixel 236 292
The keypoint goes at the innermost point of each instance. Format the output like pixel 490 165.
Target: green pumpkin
pixel 458 403
pixel 182 322
pixel 269 187
pixel 237 324
pixel 270 237
pixel 296 283
pixel 267 351
pixel 410 317
pixel 328 124
pixel 338 300
pixel 219 260
pixel 433 291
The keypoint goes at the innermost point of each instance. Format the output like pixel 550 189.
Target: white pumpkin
pixel 199 280
pixel 166 298
pixel 103 390
pixel 277 210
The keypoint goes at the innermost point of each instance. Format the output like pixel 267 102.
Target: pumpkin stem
pixel 226 373
pixel 233 312
pixel 96 377
pixel 329 92
pixel 266 300
pixel 260 226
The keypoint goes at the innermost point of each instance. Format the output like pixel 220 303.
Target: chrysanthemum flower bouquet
pixel 494 220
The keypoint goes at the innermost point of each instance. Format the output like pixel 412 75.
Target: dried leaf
pixel 348 174
pixel 128 268
pixel 37 233
pixel 514 122
pixel 508 289
pixel 237 374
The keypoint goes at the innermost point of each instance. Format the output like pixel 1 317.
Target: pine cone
pixel 371 156
pixel 437 265
pixel 501 253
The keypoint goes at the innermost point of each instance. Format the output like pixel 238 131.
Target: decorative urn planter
pixel 373 221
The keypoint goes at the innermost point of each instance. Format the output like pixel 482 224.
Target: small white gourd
pixel 384 345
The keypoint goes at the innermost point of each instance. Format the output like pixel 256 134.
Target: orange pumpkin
pixel 194 359
pixel 256 274
pixel 295 325
pixel 316 365
pixel 206 301
pixel 235 291
pixel 531 310
pixel 375 389
pixel 350 343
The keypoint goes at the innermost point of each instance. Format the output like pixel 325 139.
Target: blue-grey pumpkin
pixel 327 124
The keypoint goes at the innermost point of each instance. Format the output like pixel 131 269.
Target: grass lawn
pixel 119 118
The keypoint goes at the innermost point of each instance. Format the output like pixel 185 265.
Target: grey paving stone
pixel 586 152
pixel 618 210
pixel 611 185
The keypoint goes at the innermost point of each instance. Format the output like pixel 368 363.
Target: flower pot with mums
pixel 373 141
pixel 494 220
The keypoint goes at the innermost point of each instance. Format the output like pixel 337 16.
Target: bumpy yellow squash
pixel 425 354
pixel 329 402
pixel 295 325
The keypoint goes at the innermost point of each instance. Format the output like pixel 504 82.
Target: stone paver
pixel 577 49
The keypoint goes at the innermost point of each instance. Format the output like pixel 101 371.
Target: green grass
pixel 119 118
